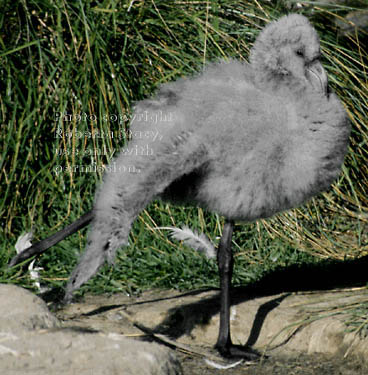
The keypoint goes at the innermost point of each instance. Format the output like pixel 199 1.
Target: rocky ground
pixel 297 364
pixel 165 332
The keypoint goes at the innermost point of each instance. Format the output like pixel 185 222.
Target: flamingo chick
pixel 243 140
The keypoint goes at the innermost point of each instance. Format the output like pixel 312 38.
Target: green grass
pixel 92 60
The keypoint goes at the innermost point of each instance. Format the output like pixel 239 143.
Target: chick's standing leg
pixel 225 264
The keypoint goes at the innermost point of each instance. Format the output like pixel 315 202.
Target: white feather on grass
pixel 196 241
pixel 23 243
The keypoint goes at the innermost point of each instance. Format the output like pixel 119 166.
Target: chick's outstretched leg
pixel 124 195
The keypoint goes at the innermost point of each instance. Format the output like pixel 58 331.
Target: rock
pixel 21 310
pixel 352 21
pixel 357 3
pixel 347 25
pixel 33 342
pixel 70 352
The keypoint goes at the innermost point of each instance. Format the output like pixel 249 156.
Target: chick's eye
pixel 299 52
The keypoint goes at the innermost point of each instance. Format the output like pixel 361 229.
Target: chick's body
pixel 266 150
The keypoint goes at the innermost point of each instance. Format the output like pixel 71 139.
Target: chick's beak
pixel 317 77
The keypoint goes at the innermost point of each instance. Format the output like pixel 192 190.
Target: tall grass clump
pixel 69 74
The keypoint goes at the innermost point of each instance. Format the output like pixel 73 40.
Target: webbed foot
pixel 238 352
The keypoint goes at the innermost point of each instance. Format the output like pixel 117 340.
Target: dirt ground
pixel 296 365
pixel 120 314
